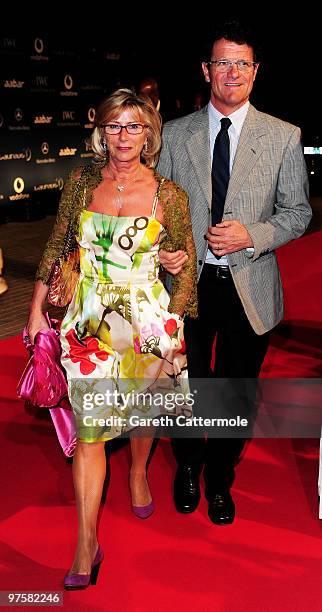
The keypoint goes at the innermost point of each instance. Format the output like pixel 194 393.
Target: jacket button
pixel 200 262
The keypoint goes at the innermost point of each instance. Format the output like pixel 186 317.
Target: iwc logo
pixel 68 115
pixel 18 184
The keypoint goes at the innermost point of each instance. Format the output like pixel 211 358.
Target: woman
pixel 121 327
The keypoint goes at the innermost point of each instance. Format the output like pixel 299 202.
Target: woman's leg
pixel 140 448
pixel 89 468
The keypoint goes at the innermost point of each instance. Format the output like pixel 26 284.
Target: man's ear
pixel 205 72
pixel 255 71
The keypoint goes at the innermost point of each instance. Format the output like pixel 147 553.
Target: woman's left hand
pixel 36 323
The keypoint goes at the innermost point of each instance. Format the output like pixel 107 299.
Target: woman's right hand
pixel 36 322
pixel 172 261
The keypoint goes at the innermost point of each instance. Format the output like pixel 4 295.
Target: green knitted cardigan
pixel 77 196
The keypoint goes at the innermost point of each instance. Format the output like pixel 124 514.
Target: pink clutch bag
pixel 43 383
pixel 64 423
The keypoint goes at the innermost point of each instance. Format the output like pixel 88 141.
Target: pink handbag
pixel 64 423
pixel 43 383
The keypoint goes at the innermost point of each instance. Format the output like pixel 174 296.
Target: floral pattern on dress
pixel 117 329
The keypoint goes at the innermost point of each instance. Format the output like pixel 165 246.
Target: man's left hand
pixel 228 237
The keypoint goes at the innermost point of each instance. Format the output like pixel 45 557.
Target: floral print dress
pixel 117 335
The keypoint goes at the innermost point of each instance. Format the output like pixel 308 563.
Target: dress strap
pixel 156 198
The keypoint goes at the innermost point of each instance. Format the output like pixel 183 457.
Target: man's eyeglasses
pixel 224 65
pixel 115 128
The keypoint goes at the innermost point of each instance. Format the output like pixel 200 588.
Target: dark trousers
pixel 239 353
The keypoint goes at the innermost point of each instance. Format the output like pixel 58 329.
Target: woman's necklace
pixel 120 187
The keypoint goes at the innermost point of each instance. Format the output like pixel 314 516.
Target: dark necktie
pixel 220 171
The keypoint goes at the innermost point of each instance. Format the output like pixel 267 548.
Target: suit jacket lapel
pixel 197 145
pixel 248 151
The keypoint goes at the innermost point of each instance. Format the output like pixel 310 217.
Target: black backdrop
pixel 48 95
pixel 50 83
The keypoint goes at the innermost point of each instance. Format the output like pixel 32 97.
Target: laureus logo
pixel 18 184
pixel 60 183
pixel 28 154
pixel 38 45
pixel 68 81
pixel 45 148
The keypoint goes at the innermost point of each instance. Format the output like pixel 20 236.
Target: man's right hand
pixel 173 262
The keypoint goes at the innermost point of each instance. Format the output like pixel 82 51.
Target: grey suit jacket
pixel 267 192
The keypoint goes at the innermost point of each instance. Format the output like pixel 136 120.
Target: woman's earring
pixel 146 146
pixel 104 146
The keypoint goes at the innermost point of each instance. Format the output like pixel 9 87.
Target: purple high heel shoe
pixel 75 582
pixel 144 512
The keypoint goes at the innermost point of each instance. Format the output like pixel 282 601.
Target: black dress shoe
pixel 186 490
pixel 221 509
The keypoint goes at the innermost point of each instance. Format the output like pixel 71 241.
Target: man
pixel 168 109
pixel 246 178
pixel 149 87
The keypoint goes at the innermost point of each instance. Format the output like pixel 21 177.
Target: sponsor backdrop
pixel 50 87
pixel 47 109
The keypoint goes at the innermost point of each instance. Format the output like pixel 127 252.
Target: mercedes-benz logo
pixel 18 114
pixel 45 148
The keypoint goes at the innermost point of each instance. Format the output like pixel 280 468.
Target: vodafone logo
pixel 18 185
pixel 68 81
pixel 38 45
pixel 91 115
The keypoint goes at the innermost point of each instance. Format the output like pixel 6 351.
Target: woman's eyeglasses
pixel 116 128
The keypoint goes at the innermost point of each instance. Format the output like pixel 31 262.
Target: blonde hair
pixel 110 108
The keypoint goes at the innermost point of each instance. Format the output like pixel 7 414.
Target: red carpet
pixel 269 559
pixel 296 347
